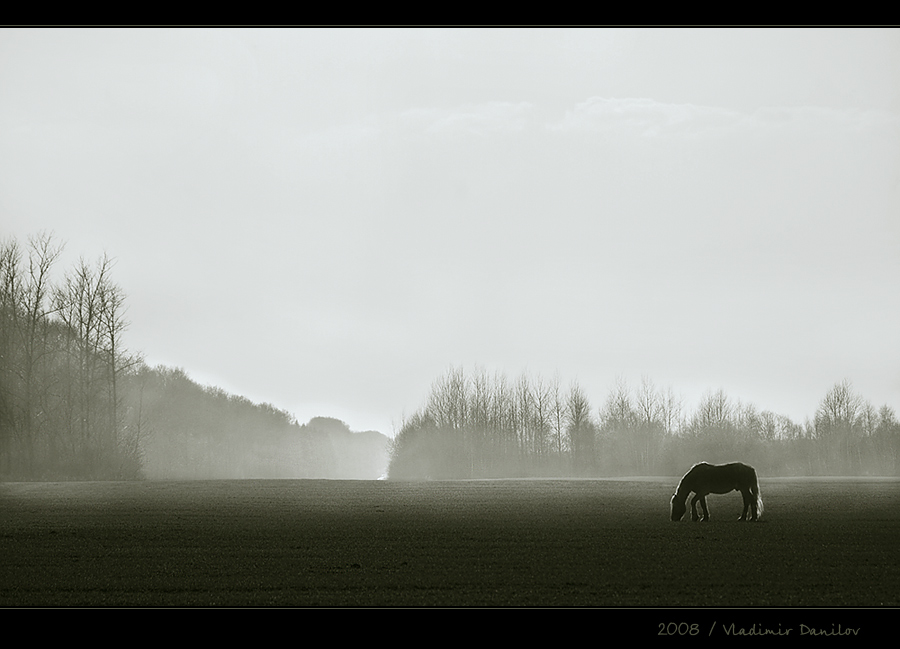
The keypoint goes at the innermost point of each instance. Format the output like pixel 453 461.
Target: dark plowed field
pixel 486 543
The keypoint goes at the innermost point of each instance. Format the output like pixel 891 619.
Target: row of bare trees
pixel 485 425
pixel 62 364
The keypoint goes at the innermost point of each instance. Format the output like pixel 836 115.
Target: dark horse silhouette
pixel 705 479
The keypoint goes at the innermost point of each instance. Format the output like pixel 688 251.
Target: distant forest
pixel 194 432
pixel 485 425
pixel 75 404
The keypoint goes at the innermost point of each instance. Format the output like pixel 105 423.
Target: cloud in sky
pixel 647 117
pixel 480 119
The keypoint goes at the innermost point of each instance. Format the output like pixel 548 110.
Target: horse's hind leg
pixel 748 503
pixel 754 513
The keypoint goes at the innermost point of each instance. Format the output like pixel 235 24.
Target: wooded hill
pixel 193 432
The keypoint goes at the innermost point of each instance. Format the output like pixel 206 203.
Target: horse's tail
pixel 755 491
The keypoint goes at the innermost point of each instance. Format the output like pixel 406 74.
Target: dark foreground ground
pixel 485 543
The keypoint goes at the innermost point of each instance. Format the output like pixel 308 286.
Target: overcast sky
pixel 327 220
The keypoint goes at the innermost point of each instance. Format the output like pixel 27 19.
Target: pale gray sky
pixel 328 219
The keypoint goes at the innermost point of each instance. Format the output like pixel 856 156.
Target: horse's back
pixel 722 478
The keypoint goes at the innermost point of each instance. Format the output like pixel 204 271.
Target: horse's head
pixel 678 508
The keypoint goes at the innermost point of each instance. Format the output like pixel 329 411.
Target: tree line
pixel 485 425
pixel 76 404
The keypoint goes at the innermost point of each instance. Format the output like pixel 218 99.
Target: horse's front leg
pixel 694 500
pixel 705 510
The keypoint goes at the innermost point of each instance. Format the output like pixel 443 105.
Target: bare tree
pixel 648 403
pixel 523 417
pixel 33 329
pixel 672 407
pixel 714 411
pixel 650 427
pixel 542 403
pixel 480 421
pixel 91 307
pixel 10 298
pixel 581 429
pixel 618 423
pixel 837 428
pixel 558 417
pixel 619 411
pixel 887 442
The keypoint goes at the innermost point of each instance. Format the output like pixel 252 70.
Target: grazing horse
pixel 705 479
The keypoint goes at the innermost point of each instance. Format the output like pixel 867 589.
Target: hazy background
pixel 328 219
